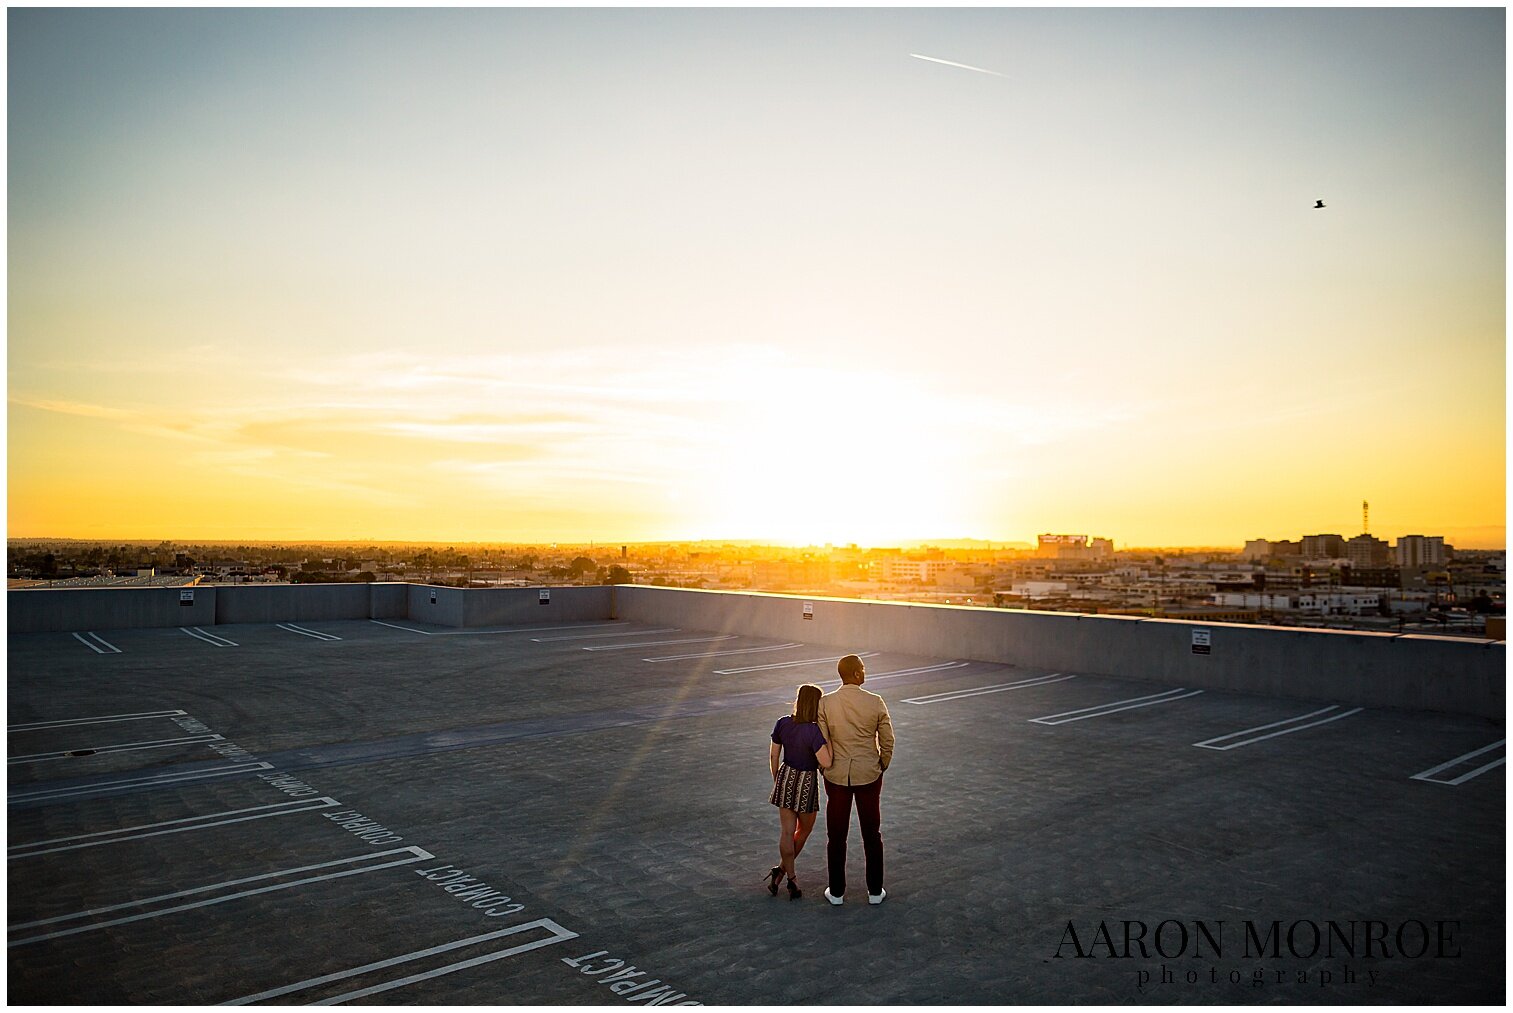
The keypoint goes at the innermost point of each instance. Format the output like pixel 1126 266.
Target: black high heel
pixel 794 893
pixel 773 879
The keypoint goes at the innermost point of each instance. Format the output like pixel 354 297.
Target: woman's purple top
pixel 799 741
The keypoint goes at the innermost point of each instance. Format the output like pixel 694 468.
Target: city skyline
pixel 534 276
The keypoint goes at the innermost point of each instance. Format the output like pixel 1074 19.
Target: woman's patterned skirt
pixel 798 790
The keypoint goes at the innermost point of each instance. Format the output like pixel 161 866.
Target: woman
pixel 796 782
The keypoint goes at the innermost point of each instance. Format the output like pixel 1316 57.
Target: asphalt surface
pixel 610 817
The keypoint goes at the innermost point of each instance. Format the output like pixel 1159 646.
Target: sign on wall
pixel 544 598
pixel 1202 641
pixel 433 597
pixel 808 610
pixel 186 597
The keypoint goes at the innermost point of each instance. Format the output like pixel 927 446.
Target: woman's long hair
pixel 806 707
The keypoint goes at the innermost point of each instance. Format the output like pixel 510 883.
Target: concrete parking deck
pixel 387 811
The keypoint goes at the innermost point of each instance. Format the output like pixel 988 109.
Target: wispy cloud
pixel 61 407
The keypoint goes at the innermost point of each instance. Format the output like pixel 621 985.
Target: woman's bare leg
pixel 785 839
pixel 802 831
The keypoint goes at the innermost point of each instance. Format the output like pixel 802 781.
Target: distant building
pixel 1074 547
pixel 1368 553
pixel 1257 548
pixel 1385 576
pixel 1323 546
pixel 891 570
pixel 1040 589
pixel 803 573
pixel 1422 550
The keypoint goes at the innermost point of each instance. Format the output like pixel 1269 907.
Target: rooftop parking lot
pixel 387 811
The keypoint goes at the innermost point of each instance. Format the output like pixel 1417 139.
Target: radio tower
pixel 1365 518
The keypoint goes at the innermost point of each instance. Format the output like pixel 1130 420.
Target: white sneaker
pixel 877 898
pixel 832 898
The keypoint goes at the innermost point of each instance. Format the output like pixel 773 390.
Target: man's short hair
pixel 849 667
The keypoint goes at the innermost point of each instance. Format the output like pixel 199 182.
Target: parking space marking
pixel 721 654
pixel 96 643
pixel 790 664
pixel 1209 743
pixel 1113 707
pixel 1002 687
pixel 558 935
pixel 1428 775
pixel 48 794
pixel 122 747
pixel 304 632
pixel 601 636
pixel 898 673
pixel 103 720
pixel 415 855
pixel 407 629
pixel 179 826
pixel 659 643
pixel 212 639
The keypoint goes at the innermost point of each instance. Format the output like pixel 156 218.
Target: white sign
pixel 545 597
pixel 433 597
pixel 186 597
pixel 808 610
pixel 1202 641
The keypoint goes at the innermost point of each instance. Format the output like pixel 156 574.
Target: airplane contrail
pixel 952 63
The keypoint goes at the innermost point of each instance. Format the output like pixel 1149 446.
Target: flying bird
pixel 1317 204
pixel 952 63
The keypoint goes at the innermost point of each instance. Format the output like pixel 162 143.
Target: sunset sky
pixel 619 275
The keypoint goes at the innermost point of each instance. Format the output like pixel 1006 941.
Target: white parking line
pixel 96 643
pixel 658 643
pixel 721 654
pixel 601 636
pixel 309 633
pixel 215 640
pixel 179 826
pixel 921 670
pixel 407 629
pixel 48 794
pixel 1428 775
pixel 1113 707
pixel 1002 687
pixel 528 629
pixel 106 719
pixel 416 855
pixel 790 664
pixel 123 747
pixel 558 935
pixel 1209 743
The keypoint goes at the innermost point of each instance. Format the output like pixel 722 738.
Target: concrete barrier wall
pixel 429 603
pixel 84 609
pixel 389 601
pixel 286 603
pixel 49 610
pixel 500 606
pixel 1451 675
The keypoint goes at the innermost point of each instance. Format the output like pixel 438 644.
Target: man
pixel 856 725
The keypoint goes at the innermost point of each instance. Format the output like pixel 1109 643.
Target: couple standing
pixel 849 735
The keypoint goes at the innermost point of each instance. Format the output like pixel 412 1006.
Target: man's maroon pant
pixel 838 824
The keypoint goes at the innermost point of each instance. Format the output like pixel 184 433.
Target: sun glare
pixel 816 459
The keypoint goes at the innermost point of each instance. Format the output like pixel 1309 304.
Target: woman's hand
pixel 772 759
